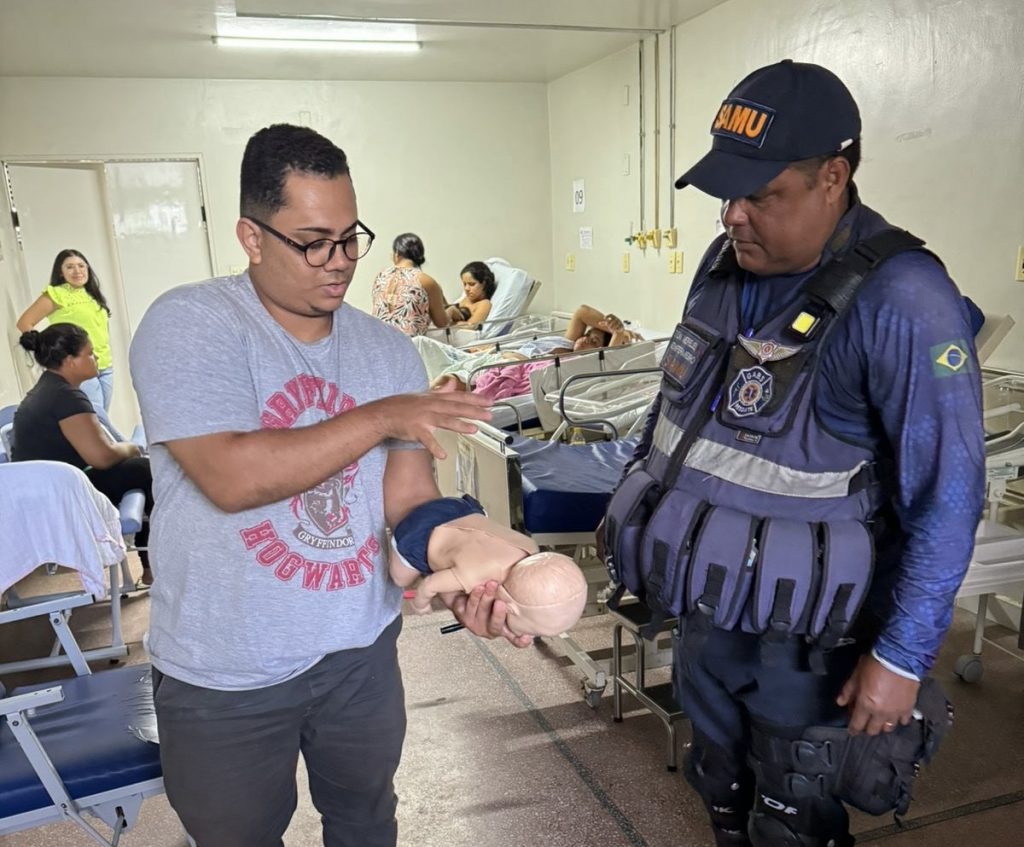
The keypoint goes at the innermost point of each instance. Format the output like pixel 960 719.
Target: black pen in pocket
pixel 452 627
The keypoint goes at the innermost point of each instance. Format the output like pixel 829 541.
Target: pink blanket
pixel 511 381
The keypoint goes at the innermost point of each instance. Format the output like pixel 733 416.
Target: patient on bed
pixel 455 547
pixel 588 329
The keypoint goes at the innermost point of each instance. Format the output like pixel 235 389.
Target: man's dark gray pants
pixel 230 757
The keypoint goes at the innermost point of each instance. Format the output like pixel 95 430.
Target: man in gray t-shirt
pixel 286 434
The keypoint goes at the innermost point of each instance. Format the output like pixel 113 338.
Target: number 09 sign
pixel 579 197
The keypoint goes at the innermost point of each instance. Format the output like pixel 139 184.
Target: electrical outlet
pixel 671 263
pixel 570 261
pixel 1019 276
pixel 625 263
pixel 679 261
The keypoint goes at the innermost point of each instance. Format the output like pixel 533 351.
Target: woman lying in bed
pixel 588 329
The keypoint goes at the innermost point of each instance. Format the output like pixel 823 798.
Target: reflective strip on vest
pixel 666 435
pixel 759 474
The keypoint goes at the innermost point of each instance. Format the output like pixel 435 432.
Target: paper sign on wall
pixel 579 197
pixel 586 238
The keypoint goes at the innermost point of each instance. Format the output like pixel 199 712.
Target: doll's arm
pixel 474 565
pixel 442 582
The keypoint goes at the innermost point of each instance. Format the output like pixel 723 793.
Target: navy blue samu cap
pixel 777 115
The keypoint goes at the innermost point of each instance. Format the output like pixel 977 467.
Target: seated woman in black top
pixel 56 422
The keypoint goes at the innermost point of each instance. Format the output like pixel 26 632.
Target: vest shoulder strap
pixel 837 283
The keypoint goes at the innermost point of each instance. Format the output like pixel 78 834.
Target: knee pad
pixel 770 831
pixel 725 785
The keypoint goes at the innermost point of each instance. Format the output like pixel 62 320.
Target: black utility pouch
pixel 876 773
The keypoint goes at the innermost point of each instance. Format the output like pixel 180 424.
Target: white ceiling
pixel 477 40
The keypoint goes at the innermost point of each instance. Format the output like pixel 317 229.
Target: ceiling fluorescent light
pixel 321 44
pixel 319 29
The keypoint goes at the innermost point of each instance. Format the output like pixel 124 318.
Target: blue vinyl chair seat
pixel 92 737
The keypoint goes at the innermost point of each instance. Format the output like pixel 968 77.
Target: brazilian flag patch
pixel 950 358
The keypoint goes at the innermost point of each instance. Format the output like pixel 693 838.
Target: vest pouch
pixel 758 388
pixel 665 550
pixel 786 565
pixel 722 566
pixel 691 356
pixel 628 512
pixel 847 563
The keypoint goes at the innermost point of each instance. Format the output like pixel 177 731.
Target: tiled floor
pixel 502 751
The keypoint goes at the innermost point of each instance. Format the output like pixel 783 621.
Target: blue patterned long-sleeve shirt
pixel 900 374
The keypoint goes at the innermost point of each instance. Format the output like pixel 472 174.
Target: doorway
pixel 141 223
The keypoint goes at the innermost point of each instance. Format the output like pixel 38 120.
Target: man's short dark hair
pixel 810 167
pixel 273 153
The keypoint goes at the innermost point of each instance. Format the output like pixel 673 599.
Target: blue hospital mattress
pixel 92 737
pixel 566 487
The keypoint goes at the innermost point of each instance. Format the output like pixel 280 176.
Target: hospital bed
pixel 513 294
pixel 540 406
pixel 614 402
pixel 997 566
pixel 501 331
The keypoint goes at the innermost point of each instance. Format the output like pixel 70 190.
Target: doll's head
pixel 545 592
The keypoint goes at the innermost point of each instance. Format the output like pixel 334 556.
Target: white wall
pixel 939 87
pixel 465 165
pixel 594 119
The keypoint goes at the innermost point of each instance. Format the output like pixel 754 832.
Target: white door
pixel 159 228
pixel 140 224
pixel 61 206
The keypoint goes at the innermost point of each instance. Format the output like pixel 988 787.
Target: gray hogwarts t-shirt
pixel 250 599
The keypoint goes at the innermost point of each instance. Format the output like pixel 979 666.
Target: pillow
pixel 512 288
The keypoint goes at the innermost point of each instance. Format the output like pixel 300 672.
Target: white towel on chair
pixel 50 512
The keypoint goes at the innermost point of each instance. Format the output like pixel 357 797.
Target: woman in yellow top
pixel 73 296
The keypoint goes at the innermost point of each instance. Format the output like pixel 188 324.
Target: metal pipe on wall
pixel 657 131
pixel 672 125
pixel 640 98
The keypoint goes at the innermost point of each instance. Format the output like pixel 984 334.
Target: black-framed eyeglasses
pixel 318 253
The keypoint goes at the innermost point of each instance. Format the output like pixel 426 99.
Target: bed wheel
pixel 969 668
pixel 592 694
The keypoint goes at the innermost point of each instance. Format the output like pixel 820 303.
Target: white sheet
pixel 50 512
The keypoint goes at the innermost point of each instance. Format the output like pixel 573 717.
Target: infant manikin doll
pixel 456 547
